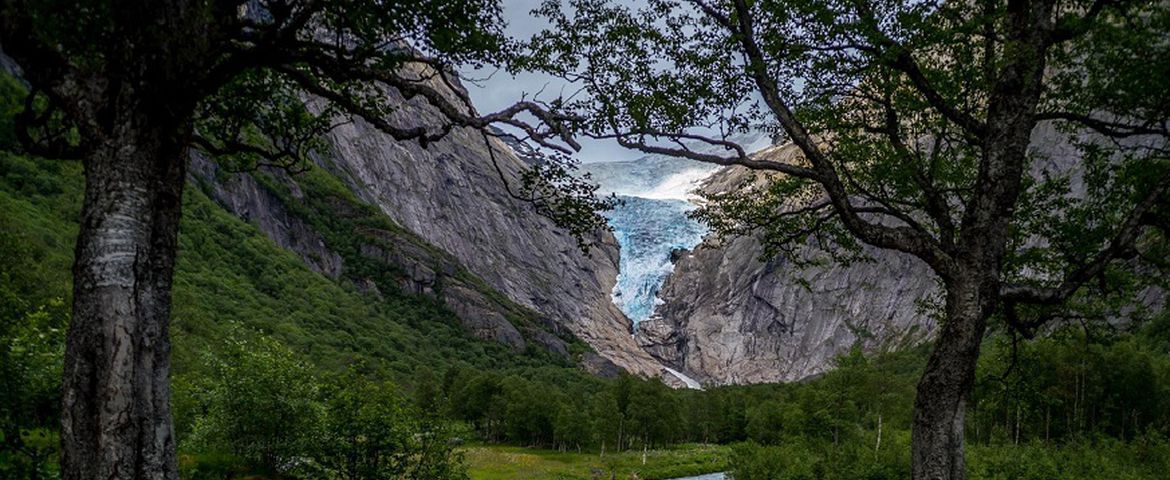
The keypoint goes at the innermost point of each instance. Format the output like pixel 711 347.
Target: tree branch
pixel 903 61
pixel 636 141
pixel 902 238
pixel 1120 246
pixel 1070 28
pixel 1112 129
pixel 53 143
pixel 64 85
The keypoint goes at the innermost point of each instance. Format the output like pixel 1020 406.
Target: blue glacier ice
pixel 652 221
pixel 648 230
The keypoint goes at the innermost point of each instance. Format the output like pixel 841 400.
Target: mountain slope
pixel 455 196
pixel 230 275
pixel 729 316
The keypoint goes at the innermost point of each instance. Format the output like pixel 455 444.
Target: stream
pixel 709 476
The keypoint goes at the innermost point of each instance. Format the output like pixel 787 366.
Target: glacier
pixel 648 230
pixel 652 223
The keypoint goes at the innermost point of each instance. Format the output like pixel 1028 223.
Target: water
pixel 709 476
pixel 648 231
pixel 690 382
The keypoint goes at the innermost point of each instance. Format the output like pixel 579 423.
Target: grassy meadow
pixel 500 462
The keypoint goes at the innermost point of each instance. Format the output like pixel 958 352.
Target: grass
pixel 498 462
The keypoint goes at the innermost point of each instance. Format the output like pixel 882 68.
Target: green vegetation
pixel 266 411
pixel 1014 149
pixel 231 283
pixel 494 462
pixel 280 371
pixel 1074 405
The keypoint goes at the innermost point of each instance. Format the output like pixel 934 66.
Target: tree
pixel 264 405
pixel 128 87
pixel 571 425
pixel 372 433
pixel 908 128
pixel 767 423
pixel 605 421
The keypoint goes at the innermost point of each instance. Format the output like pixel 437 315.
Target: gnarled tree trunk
pixel 941 402
pixel 116 421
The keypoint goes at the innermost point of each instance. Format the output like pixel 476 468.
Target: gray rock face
pixel 244 197
pixel 479 316
pixel 422 270
pixel 8 66
pixel 730 317
pixel 451 195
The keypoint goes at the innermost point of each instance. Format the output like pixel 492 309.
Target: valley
pixel 597 240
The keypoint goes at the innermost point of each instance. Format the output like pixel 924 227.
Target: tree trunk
pixel 116 415
pixel 941 404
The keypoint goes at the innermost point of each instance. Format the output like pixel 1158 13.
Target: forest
pixel 284 378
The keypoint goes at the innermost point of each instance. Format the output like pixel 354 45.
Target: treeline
pixel 1077 404
pixel 265 410
pixel 1075 383
pixel 632 413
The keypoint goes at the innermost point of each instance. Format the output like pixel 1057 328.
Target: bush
pixel 263 406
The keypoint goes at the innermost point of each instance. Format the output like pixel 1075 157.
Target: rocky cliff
pixel 451 195
pixel 729 316
pixel 509 274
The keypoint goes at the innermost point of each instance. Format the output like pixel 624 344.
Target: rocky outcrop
pixel 730 316
pixel 452 196
pixel 489 257
pixel 246 198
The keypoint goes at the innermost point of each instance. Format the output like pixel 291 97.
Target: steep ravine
pixel 451 196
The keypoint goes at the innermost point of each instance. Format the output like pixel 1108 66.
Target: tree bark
pixel 116 417
pixel 941 402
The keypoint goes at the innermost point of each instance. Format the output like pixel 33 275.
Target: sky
pixel 497 89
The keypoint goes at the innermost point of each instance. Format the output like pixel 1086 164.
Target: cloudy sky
pixel 498 89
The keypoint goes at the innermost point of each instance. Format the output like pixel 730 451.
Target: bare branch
pixel 636 141
pixel 52 143
pixel 65 85
pixel 352 106
pixel 288 157
pixel 552 125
